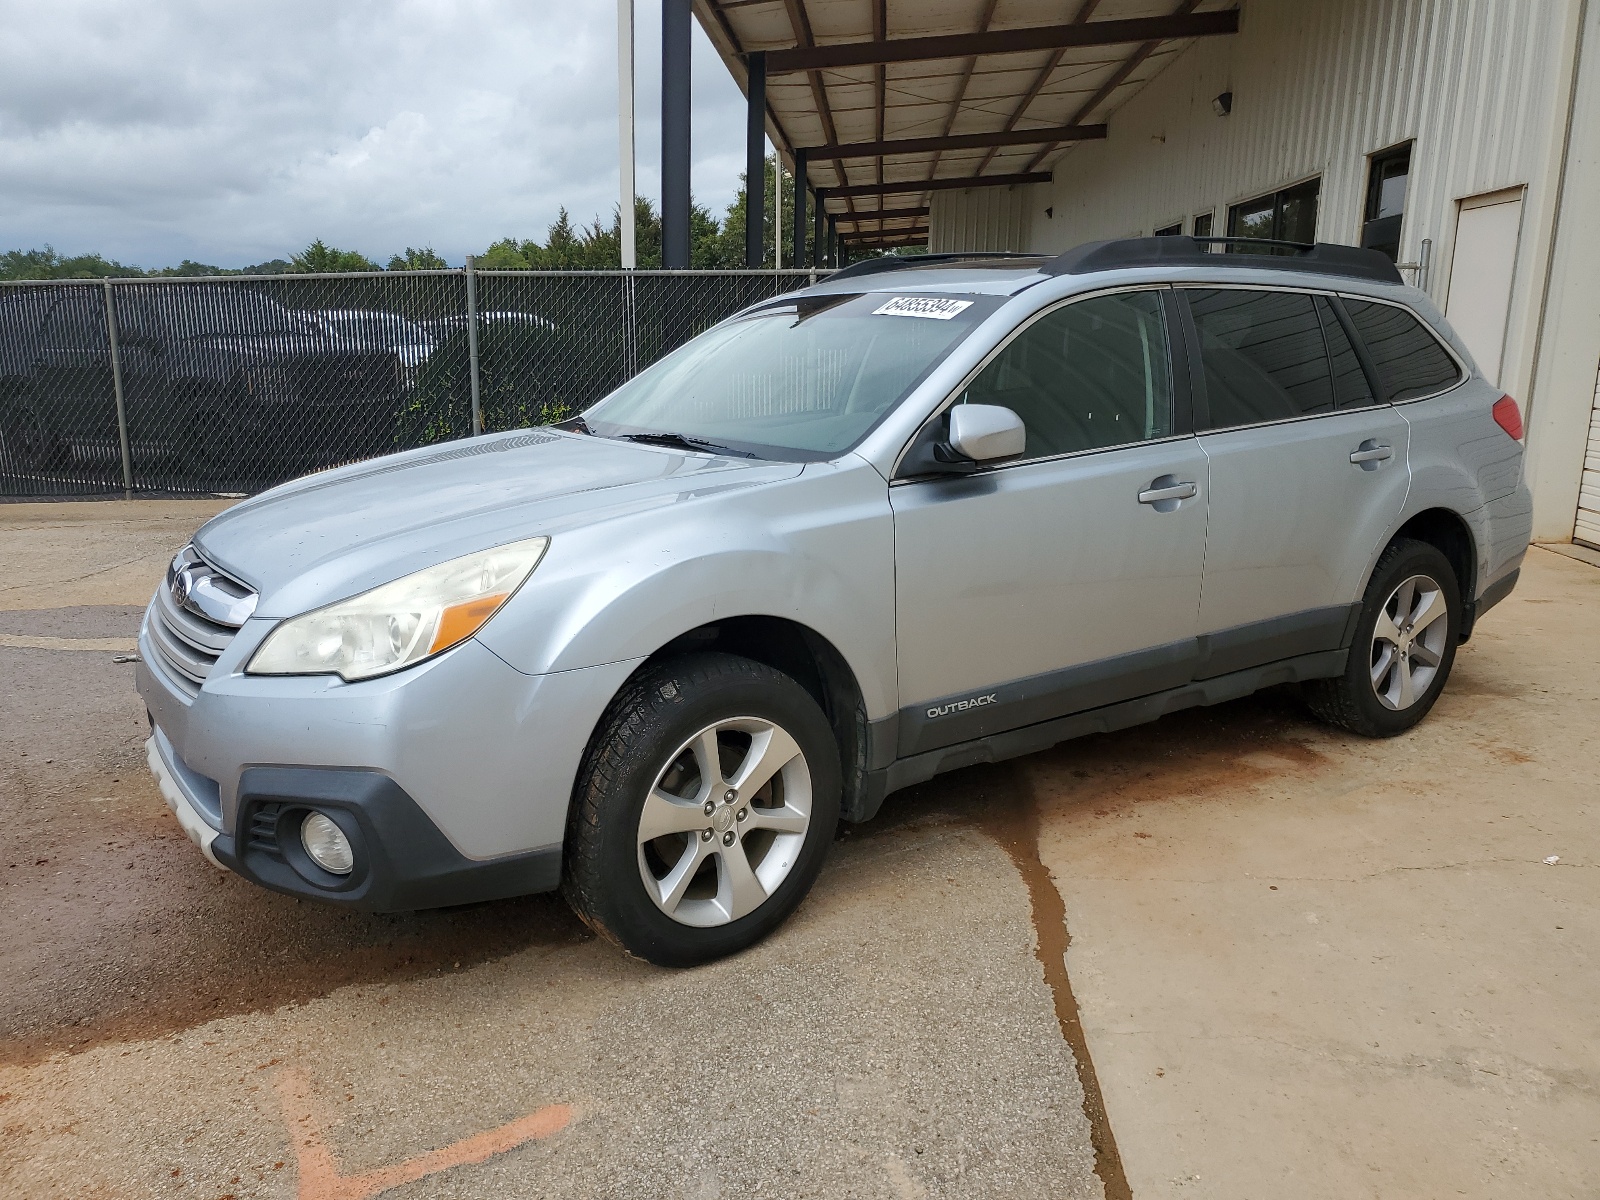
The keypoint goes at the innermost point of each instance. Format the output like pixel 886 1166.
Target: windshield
pixel 804 380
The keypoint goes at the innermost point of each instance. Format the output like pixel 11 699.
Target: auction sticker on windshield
pixel 921 306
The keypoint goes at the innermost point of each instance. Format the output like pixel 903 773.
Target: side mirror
pixel 986 432
pixel 962 439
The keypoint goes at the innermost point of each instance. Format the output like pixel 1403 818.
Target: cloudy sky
pixel 236 132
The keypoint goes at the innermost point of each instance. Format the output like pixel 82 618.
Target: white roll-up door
pixel 1588 527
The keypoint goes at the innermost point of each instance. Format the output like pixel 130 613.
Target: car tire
pixel 680 867
pixel 214 453
pixel 25 444
pixel 1404 647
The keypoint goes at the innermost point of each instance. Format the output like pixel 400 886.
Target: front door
pixel 1069 578
pixel 1308 475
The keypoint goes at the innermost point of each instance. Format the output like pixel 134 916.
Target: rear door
pixel 1308 473
pixel 1068 579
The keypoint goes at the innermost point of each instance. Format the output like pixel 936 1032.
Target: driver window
pixel 1087 376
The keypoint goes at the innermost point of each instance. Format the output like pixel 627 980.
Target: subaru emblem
pixel 180 588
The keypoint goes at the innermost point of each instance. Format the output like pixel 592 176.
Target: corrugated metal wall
pixel 1318 85
pixel 1587 529
pixel 1480 86
pixel 982 219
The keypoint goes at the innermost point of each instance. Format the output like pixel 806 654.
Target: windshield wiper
pixel 682 442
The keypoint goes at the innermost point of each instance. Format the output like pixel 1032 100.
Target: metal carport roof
pixel 889 103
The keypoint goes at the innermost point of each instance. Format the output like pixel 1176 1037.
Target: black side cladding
pixel 1323 258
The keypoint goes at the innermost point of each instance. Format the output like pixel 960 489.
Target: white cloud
pixel 232 133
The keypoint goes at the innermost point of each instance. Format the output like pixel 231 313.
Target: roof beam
pixel 905 186
pixel 1001 41
pixel 880 244
pixel 984 20
pixel 963 141
pixel 887 239
pixel 1039 80
pixel 879 214
pixel 880 82
pixel 918 228
pixel 800 25
pixel 1118 78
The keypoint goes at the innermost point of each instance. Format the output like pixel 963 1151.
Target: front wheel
pixel 703 811
pixel 1404 647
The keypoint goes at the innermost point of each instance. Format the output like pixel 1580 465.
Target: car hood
pixel 341 532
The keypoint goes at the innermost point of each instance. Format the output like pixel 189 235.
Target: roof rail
pixel 1321 258
pixel 890 262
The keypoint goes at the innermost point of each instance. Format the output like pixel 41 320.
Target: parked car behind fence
pixel 233 385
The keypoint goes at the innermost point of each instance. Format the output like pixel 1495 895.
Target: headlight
pixel 402 622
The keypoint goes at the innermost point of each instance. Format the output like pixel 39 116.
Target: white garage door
pixel 1588 528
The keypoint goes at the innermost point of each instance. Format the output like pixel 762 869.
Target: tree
pixel 47 264
pixel 319 258
pixel 417 260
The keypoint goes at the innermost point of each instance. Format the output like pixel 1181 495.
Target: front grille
pixel 195 614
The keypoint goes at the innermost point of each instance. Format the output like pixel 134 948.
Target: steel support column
pixel 675 134
pixel 625 157
pixel 798 257
pixel 819 245
pixel 755 161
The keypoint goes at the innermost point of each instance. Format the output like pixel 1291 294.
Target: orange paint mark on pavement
pixel 319 1174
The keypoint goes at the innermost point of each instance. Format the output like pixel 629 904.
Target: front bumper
pixel 183 799
pixel 453 778
pixel 402 861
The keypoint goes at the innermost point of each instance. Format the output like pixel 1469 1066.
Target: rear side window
pixel 1350 386
pixel 1263 354
pixel 78 322
pixel 1092 374
pixel 1409 359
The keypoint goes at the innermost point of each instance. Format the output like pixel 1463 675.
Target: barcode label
pixel 932 307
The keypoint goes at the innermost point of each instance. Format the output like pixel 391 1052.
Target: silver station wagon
pixel 924 514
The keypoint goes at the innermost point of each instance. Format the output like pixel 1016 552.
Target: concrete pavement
pixel 1295 963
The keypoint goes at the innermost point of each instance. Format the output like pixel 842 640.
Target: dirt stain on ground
pixel 119 930
pixel 1015 826
pixel 1188 757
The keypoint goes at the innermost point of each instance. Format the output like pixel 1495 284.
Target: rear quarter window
pixel 1409 358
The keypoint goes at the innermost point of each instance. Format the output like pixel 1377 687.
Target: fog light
pixel 326 843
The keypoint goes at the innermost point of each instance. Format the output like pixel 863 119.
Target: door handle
pixel 1371 452
pixel 1166 488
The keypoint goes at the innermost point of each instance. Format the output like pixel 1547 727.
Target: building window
pixel 1170 230
pixel 1286 216
pixel 1202 225
pixel 1386 200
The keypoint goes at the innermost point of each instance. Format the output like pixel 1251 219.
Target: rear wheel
pixel 215 450
pixel 703 811
pixel 25 445
pixel 1404 647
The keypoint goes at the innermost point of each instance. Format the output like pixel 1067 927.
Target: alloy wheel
pixel 724 822
pixel 1408 642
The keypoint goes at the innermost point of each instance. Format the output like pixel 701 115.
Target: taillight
pixel 1508 416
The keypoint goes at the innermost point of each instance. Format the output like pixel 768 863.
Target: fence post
pixel 630 328
pixel 472 343
pixel 116 388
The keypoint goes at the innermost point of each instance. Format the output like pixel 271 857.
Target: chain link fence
pixel 230 385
